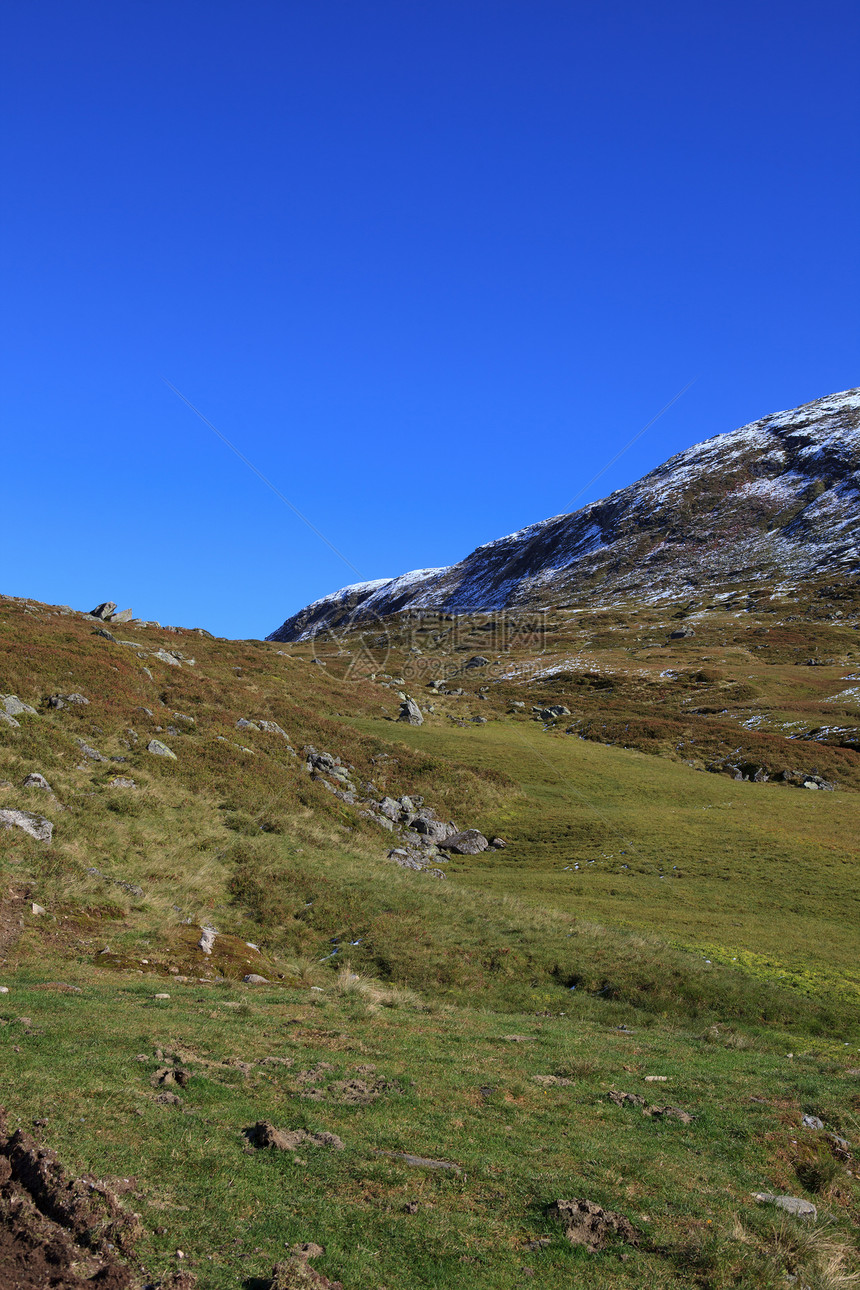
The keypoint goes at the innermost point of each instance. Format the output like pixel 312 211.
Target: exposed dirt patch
pixel 11 920
pixel 588 1224
pixel 56 1231
pixel 264 1134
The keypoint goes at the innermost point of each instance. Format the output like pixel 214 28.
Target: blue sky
pixel 429 264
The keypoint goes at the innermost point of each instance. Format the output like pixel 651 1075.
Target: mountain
pixel 779 498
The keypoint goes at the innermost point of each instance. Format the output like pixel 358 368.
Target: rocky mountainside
pixel 777 499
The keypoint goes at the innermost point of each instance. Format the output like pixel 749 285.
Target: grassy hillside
pixel 709 934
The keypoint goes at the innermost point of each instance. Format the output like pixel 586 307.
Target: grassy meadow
pixel 709 936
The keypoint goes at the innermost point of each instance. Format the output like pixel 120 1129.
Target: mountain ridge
pixel 778 497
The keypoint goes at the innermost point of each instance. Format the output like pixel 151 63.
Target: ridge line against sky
pixel 428 266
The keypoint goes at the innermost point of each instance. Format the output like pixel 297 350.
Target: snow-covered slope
pixel 777 498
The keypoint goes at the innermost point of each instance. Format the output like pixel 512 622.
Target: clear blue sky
pixel 428 263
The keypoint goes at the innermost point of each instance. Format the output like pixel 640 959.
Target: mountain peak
pixel 778 498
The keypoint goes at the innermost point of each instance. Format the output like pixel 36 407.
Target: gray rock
pixel 158 749
pixel 15 708
pixel 498 844
pixel 92 753
pixel 517 703
pixel 122 782
pixel 244 724
pixel 37 827
pixel 254 978
pixel 478 661
pixel 468 843
pixel 681 633
pixel 410 713
pixel 35 780
pixel 103 611
pixel 272 728
pixel 124 616
pixel 435 830
pixel 108 636
pixel 6 720
pixel 791 1204
pixel 390 809
pixel 163 655
pixel 812 1122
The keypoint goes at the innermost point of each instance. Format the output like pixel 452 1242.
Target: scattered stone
pixel 122 782
pixel 272 728
pixel 6 720
pixel 38 911
pixel 161 996
pixel 264 1134
pixel 158 749
pixel 254 978
pixel 554 1081
pixel 468 843
pixel 104 610
pixel 165 657
pixel 557 710
pixel 244 724
pixel 35 825
pixel 92 753
pixel 410 713
pixel 108 636
pixel 656 1079
pixel 812 1122
pixel 791 1204
pixel 592 1226
pixel 124 616
pixel 14 707
pixel 207 939
pixel 478 660
pixel 498 844
pixel 681 633
pixel 35 780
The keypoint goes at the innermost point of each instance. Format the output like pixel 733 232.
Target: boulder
pixel 390 809
pixel 92 753
pixel 468 843
pixel 124 616
pixel 791 1204
pixel 6 720
pixel 244 724
pixel 37 827
pixel 14 707
pixel 163 655
pixel 410 713
pixel 35 780
pixel 272 728
pixel 103 611
pixel 435 830
pixel 254 978
pixel 681 633
pixel 158 749
pixel 478 660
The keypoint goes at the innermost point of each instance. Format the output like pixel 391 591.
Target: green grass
pixel 735 974
pixel 519 1145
